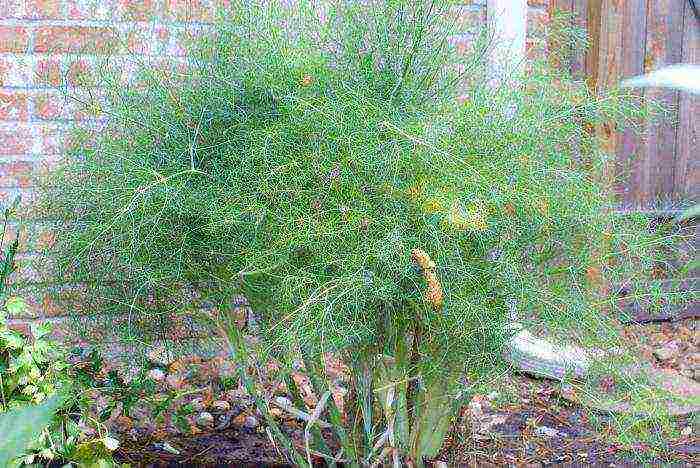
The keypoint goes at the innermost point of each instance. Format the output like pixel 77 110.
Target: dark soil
pixel 232 447
pixel 526 424
pixel 520 439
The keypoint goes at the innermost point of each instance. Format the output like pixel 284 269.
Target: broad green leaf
pixel 13 339
pixel 16 305
pixel 20 427
pixel 40 330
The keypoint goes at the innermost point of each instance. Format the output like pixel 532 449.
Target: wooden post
pixel 508 18
pixel 593 19
pixel 628 146
pixel 606 22
pixel 687 176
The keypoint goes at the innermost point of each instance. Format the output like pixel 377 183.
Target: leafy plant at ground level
pixel 37 419
pixel 357 181
pixel 20 426
pixel 29 370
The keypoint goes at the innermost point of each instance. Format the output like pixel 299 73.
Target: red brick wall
pixel 42 41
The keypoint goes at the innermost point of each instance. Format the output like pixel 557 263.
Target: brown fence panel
pixel 657 166
pixel 687 175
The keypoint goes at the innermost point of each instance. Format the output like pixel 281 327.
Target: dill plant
pixel 355 179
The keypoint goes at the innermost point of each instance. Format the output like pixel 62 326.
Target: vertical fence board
pixel 663 47
pixel 579 8
pixel 594 18
pixel 629 146
pixel 687 170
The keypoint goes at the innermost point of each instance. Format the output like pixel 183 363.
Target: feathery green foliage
pixel 300 161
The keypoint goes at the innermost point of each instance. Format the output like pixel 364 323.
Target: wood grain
pixel 686 183
pixel 579 8
pixel 594 18
pixel 629 146
pixel 664 45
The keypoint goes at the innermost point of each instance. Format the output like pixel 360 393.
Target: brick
pixel 13 106
pixel 141 41
pixel 182 38
pixel 15 70
pixel 464 43
pixel 188 10
pixel 27 198
pixel 74 39
pixel 16 174
pixel 44 9
pixel 468 18
pixel 51 140
pixel 48 107
pixel 14 39
pixel 80 73
pixel 33 237
pixel 537 23
pixel 139 10
pixel 14 141
pixel 100 10
pixel 47 72
pixel 10 9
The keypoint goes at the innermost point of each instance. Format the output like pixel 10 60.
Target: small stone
pixel 156 374
pixel 159 355
pixel 110 443
pixel 696 375
pixel 175 381
pixel 283 402
pixel 545 431
pixel 251 422
pixel 198 405
pixel 239 420
pixel 204 419
pixel 221 405
pixel 665 353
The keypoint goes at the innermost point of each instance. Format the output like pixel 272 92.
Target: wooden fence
pixel 659 168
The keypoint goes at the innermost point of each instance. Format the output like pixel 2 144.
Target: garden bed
pixel 192 411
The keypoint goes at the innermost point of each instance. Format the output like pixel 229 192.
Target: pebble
pixel 221 405
pixel 547 431
pixel 283 401
pixel 665 353
pixel 204 419
pixel 159 355
pixel 166 447
pixel 251 422
pixel 175 381
pixel 198 404
pixel 156 374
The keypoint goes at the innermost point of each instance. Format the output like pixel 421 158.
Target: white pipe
pixel 508 19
